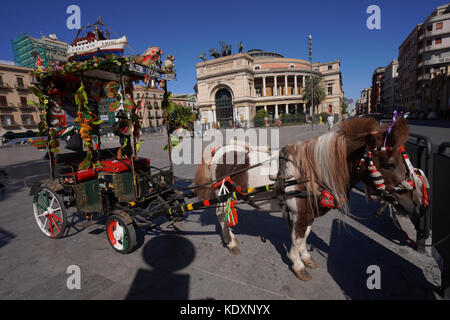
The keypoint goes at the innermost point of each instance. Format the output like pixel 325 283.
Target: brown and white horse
pixel 361 150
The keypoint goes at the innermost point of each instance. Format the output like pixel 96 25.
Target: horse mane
pixel 323 160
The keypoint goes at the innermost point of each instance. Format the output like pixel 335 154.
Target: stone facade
pixel 255 80
pixel 151 112
pixel 389 84
pixel 16 114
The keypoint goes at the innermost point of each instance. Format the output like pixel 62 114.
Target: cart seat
pixel 112 166
pixel 83 175
pixel 116 166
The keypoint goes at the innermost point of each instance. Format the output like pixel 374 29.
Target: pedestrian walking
pixel 330 120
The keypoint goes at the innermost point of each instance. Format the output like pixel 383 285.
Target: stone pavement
pixel 190 262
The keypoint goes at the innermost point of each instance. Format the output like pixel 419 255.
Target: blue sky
pixel 187 28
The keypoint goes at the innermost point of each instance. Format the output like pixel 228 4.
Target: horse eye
pixel 388 166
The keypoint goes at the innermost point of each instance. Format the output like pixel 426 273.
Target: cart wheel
pixel 121 236
pixel 49 211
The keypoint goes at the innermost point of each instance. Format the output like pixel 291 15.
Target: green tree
pixel 259 119
pixel 319 92
pixel 183 117
pixel 344 106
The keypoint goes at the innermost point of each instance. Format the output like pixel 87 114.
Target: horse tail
pixel 202 177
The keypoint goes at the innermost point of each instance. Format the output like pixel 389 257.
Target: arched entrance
pixel 224 107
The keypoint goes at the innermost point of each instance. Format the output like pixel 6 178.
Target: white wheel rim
pixel 117 235
pixel 48 213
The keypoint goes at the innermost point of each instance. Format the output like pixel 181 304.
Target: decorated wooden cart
pixel 81 101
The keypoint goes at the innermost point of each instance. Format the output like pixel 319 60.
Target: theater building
pixel 231 89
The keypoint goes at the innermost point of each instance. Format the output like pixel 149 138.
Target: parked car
pixel 421 115
pixel 432 116
pixel 414 115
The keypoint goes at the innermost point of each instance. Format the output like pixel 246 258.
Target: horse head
pixel 386 168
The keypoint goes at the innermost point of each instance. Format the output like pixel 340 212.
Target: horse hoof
pixel 234 251
pixel 303 274
pixel 310 263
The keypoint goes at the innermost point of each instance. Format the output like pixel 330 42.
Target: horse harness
pixel 415 178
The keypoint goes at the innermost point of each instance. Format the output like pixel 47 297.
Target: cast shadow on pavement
pixel 350 254
pixel 165 255
pixel 382 225
pixel 5 237
pixel 23 175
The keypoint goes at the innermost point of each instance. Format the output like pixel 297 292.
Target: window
pixel 330 88
pixel 257 68
pixel 438 41
pixel 439 25
pixel 23 101
pixel 154 96
pixel 156 105
pixel 137 95
pixel 3 101
pixel 20 82
pixel 330 67
pixel 7 120
pixel 27 119
pixel 430 27
pixel 292 65
pixel 429 43
pixel 1 80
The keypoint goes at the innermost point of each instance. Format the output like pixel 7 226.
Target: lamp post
pixel 312 83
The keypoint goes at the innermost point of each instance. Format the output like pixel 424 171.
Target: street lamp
pixel 312 83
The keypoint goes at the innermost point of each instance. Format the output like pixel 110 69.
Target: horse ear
pixel 399 133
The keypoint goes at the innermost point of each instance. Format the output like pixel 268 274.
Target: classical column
pixel 304 107
pixel 287 108
pixel 214 114
pixel 285 85
pixel 276 111
pixel 264 86
pixel 295 86
pixel 275 91
pixel 265 108
pixel 296 108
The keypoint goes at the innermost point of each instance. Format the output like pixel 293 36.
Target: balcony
pixel 27 108
pixel 30 125
pixel 10 125
pixel 433 33
pixel 4 86
pixel 7 108
pixel 21 87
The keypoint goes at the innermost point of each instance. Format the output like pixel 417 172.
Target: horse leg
pixel 305 255
pixel 294 254
pixel 228 237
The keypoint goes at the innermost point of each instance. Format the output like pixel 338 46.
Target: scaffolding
pixel 26 47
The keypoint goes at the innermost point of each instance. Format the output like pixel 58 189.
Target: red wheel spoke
pixel 53 220
pixel 50 224
pixel 54 216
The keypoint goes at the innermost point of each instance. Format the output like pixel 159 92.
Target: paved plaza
pixel 190 260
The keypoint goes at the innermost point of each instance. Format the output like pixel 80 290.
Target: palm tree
pixel 319 91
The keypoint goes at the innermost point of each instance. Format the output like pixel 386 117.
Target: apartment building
pixel 16 115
